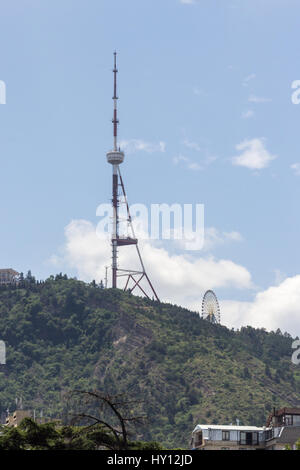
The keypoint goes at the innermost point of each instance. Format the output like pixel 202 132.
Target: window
pixel 249 438
pixel 225 435
pixel 296 420
pixel 269 434
pixel 288 420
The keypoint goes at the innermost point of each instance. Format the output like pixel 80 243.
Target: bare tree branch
pixel 115 403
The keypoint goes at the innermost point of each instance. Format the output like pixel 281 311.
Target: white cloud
pixel 205 241
pixel 258 99
pixel 192 145
pixel 296 168
pixel 180 158
pixel 253 154
pixel 233 236
pixel 188 2
pixel 214 237
pixel 139 145
pixel 275 307
pixel 248 79
pixel 191 165
pixel 248 114
pixel 194 166
pixel 179 278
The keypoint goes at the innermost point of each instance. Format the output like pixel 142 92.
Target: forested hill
pixel 64 334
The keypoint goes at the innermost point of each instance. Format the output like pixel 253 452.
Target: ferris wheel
pixel 210 307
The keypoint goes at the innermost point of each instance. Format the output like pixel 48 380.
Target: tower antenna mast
pixel 115 157
pixel 115 98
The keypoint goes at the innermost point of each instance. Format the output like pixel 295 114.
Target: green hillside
pixel 64 334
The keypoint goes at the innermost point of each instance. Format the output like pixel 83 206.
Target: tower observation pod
pixel 115 157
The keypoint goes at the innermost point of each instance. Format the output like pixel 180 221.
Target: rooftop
pixel 8 270
pixel 289 435
pixel 228 428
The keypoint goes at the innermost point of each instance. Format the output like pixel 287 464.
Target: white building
pixel 219 437
pixel 282 430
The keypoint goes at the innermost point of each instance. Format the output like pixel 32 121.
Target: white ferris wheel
pixel 210 307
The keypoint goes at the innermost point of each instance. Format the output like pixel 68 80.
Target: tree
pixel 41 436
pixel 11 439
pixel 268 371
pixel 110 427
pixel 246 373
pixel 277 377
pixel 30 278
pixel 297 445
pixel 30 435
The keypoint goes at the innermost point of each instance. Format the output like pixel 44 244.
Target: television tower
pixel 115 157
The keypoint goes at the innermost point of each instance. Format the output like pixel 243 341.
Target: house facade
pixel 282 430
pixel 219 437
pixel 8 276
pixel 15 419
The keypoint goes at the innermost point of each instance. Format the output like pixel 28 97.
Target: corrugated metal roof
pixel 227 428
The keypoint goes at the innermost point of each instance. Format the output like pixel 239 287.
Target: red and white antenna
pixel 115 98
pixel 115 157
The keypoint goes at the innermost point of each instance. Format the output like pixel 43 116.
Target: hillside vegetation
pixel 63 334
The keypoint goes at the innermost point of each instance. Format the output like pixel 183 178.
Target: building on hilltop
pixel 15 419
pixel 282 430
pixel 8 276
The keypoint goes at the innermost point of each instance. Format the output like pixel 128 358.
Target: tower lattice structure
pixel 115 157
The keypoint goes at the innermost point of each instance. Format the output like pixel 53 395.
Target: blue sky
pixel 209 79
